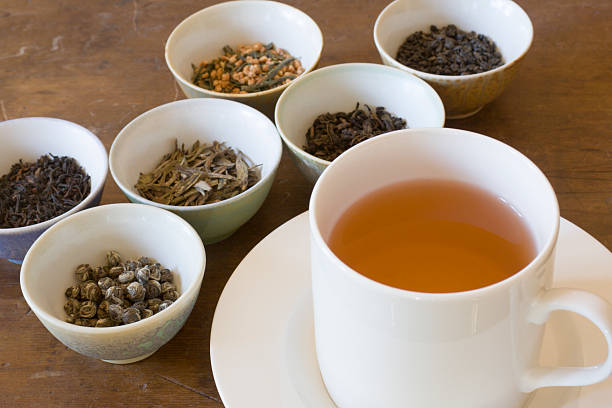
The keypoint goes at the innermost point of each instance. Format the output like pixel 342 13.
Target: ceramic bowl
pixel 84 238
pixel 338 88
pixel 30 138
pixel 141 144
pixel 501 20
pixel 202 35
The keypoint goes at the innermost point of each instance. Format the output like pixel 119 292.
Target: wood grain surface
pixel 100 63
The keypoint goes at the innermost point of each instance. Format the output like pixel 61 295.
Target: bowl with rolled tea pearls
pixel 368 100
pixel 115 282
pixel 211 161
pixel 49 169
pixel 246 51
pixel 467 50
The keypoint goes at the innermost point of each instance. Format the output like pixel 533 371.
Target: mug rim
pixel 541 258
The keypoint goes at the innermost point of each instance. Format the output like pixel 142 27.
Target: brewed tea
pixel 433 236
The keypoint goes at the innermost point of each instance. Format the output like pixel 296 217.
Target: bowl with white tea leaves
pixel 211 161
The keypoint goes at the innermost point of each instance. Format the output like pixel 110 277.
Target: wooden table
pixel 100 63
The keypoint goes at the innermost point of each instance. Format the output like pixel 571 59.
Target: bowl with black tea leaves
pixel 211 161
pixel 246 51
pixel 468 50
pixel 334 108
pixel 49 169
pixel 115 282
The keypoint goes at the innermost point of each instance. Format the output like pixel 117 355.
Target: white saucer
pixel 262 346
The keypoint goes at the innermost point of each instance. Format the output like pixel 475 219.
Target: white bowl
pixel 501 20
pixel 133 230
pixel 30 138
pixel 145 140
pixel 338 88
pixel 202 36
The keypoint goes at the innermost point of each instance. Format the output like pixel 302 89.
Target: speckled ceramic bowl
pixel 144 141
pixel 338 88
pixel 133 230
pixel 30 138
pixel 202 35
pixel 501 20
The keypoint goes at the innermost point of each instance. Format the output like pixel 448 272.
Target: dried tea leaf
pixel 33 192
pixel 333 133
pixel 449 51
pixel 202 187
pixel 247 68
pixel 242 173
pixel 200 175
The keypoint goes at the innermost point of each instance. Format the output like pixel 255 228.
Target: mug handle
pixel 591 307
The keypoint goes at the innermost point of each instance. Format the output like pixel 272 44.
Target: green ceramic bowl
pixel 139 147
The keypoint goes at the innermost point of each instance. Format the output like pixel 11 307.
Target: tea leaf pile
pixel 333 133
pixel 449 51
pixel 35 192
pixel 203 174
pixel 249 68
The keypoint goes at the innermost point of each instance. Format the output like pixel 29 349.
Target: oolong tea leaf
pixel 449 51
pixel 333 133
pixel 203 174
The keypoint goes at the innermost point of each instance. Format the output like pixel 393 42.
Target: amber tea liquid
pixel 433 236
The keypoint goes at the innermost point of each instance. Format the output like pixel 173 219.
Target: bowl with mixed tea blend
pixel 467 50
pixel 49 169
pixel 246 51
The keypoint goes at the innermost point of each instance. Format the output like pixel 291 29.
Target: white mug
pixel 380 346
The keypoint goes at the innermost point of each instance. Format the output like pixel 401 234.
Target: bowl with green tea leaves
pixel 211 161
pixel 115 282
pixel 49 169
pixel 368 100
pixel 246 51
